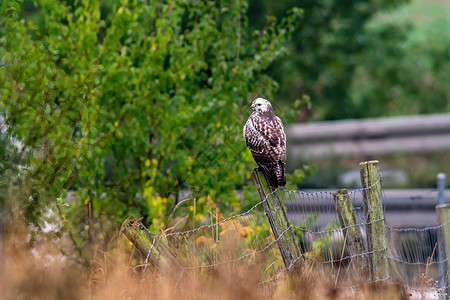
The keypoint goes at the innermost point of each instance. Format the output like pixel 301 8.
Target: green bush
pixel 128 103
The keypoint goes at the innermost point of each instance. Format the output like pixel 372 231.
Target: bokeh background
pixel 113 109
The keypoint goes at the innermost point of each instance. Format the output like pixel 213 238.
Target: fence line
pixel 241 257
pixel 412 250
pixel 419 263
pixel 418 229
pixel 220 222
pixel 339 229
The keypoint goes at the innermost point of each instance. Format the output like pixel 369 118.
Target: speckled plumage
pixel 265 137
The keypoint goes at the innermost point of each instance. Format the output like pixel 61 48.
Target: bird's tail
pixel 279 172
pixel 274 173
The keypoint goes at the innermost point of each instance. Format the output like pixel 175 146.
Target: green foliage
pixel 129 103
pixel 406 69
pixel 364 58
pixel 322 61
pixel 40 111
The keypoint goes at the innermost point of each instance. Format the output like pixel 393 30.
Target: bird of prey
pixel 265 137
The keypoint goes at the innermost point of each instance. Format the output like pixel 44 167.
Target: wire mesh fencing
pixel 242 240
pixel 415 256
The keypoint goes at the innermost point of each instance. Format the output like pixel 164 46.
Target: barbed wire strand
pixel 418 229
pixel 233 260
pixel 148 254
pixel 419 262
pixel 412 256
pixel 220 222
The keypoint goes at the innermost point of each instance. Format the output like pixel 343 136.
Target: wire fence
pixel 414 254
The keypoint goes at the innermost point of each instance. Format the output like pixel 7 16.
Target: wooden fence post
pixel 150 248
pixel 352 233
pixel 275 210
pixel 443 215
pixel 374 217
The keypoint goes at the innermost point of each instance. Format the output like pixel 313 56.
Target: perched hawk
pixel 265 137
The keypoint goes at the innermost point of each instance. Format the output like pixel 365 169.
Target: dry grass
pixel 42 272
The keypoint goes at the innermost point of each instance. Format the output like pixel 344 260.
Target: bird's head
pixel 261 105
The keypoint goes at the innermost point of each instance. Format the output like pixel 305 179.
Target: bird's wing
pixel 282 137
pixel 253 138
pixel 265 139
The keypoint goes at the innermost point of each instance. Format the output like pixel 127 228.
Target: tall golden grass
pixel 40 271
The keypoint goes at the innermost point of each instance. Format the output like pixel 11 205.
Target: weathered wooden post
pixel 149 246
pixel 276 213
pixel 442 271
pixel 352 233
pixel 443 215
pixel 374 217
